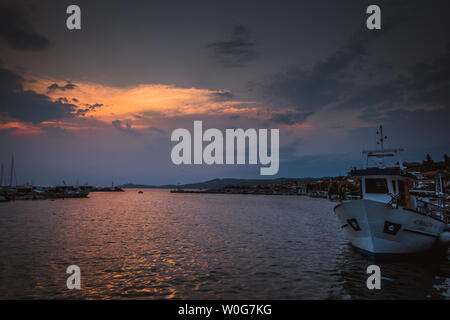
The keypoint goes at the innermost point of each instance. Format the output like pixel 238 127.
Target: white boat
pixel 387 220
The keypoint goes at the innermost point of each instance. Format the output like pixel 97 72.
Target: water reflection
pixel 413 277
pixel 159 245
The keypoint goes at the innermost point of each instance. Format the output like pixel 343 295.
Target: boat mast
pixel 382 137
pixel 1 176
pixel 12 171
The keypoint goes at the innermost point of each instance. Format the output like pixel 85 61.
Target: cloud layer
pixel 27 105
pixel 236 51
pixel 17 31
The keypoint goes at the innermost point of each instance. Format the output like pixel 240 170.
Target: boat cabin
pixel 382 181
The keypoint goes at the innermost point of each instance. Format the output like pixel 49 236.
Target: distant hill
pixel 213 184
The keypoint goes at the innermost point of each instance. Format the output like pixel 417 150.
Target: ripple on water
pixel 197 246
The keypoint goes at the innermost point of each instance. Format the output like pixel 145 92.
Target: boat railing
pixel 432 209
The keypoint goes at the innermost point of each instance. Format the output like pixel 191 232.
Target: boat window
pixel 376 186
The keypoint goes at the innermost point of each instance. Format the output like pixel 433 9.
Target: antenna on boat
pixel 382 153
pixel 382 137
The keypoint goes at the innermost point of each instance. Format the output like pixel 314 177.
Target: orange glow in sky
pixel 139 107
pixel 120 103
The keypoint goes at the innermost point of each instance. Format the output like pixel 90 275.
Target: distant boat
pixel 388 219
pixel 58 192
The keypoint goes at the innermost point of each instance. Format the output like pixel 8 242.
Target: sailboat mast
pixel 12 171
pixel 1 176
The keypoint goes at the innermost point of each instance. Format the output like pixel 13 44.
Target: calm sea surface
pixel 160 245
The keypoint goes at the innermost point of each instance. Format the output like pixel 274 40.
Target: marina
pixel 13 192
pixel 384 208
pixel 52 192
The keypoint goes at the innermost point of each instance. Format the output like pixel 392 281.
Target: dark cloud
pixel 9 82
pixel 56 131
pixel 325 83
pixel 425 85
pixel 67 86
pixel 82 112
pixel 17 32
pixel 291 118
pixel 125 127
pixel 237 51
pixel 430 82
pixel 29 106
pixel 117 124
pixel 335 82
pixel 222 95
pixel 157 130
pixel 381 96
pixel 92 107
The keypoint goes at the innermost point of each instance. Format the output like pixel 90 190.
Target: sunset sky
pixel 99 104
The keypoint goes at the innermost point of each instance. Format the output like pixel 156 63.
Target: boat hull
pixel 381 231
